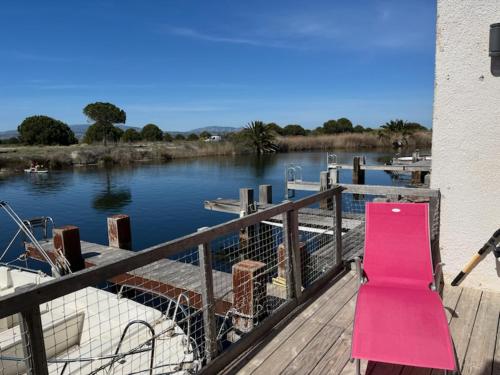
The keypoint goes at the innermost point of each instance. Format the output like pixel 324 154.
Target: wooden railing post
pixel 266 239
pixel 33 342
pixel 208 300
pixel 292 247
pixel 338 228
pixel 324 184
pixel 247 235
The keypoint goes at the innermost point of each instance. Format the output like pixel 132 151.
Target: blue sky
pixel 184 64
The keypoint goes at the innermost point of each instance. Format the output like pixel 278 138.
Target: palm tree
pixel 401 127
pixel 260 136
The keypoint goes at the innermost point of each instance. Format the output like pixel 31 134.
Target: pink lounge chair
pixel 399 315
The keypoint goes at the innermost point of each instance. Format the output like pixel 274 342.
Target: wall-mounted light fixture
pixel 495 49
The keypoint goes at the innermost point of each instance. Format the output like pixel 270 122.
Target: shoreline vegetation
pixel 51 143
pixel 16 157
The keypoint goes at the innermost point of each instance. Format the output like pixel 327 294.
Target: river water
pixel 164 201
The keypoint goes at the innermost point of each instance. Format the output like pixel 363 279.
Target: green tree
pixel 44 130
pixel 318 131
pixel 167 137
pixel 342 125
pixel 180 137
pixel 358 129
pixel 131 135
pixel 151 133
pixel 276 128
pixel 105 116
pixel 294 129
pixel 259 136
pixel 192 137
pixel 345 124
pixel 100 133
pixel 205 135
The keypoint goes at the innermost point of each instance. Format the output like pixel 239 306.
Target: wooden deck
pixel 317 340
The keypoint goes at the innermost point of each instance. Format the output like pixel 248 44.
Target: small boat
pixel 93 330
pixel 36 170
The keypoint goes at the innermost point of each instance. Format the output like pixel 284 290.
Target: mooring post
pixel 247 235
pixel 358 174
pixel 66 239
pixel 208 299
pixel 333 174
pixel 249 293
pixel 119 232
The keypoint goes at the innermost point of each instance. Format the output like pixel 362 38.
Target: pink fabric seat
pixel 398 318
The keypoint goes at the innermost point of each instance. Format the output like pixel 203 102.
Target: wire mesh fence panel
pixel 256 284
pixel 317 241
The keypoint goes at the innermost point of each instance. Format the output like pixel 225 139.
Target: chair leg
pixel 358 366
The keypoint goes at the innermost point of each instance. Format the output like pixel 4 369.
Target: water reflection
pixel 113 198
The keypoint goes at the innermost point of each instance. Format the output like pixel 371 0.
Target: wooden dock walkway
pixel 317 340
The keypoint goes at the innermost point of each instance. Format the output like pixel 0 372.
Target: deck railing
pixel 210 294
pixel 243 275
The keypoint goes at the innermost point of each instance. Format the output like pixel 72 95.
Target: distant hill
pixel 80 129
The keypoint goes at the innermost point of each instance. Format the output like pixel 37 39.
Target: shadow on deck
pixel 317 339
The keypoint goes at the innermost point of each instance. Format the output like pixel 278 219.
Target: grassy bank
pixel 351 141
pixel 55 157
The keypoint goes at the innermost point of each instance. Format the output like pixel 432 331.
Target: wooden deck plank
pixel 306 360
pixel 331 295
pixel 340 352
pixel 332 298
pixel 289 349
pixel 481 350
pixel 462 323
pixel 496 357
pixel 334 361
pixel 273 345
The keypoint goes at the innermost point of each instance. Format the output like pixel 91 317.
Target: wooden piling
pixel 358 174
pixel 67 241
pixel 249 294
pixel 265 194
pixel 119 232
pixel 333 175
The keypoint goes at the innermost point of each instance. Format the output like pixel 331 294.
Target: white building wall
pixel 466 137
